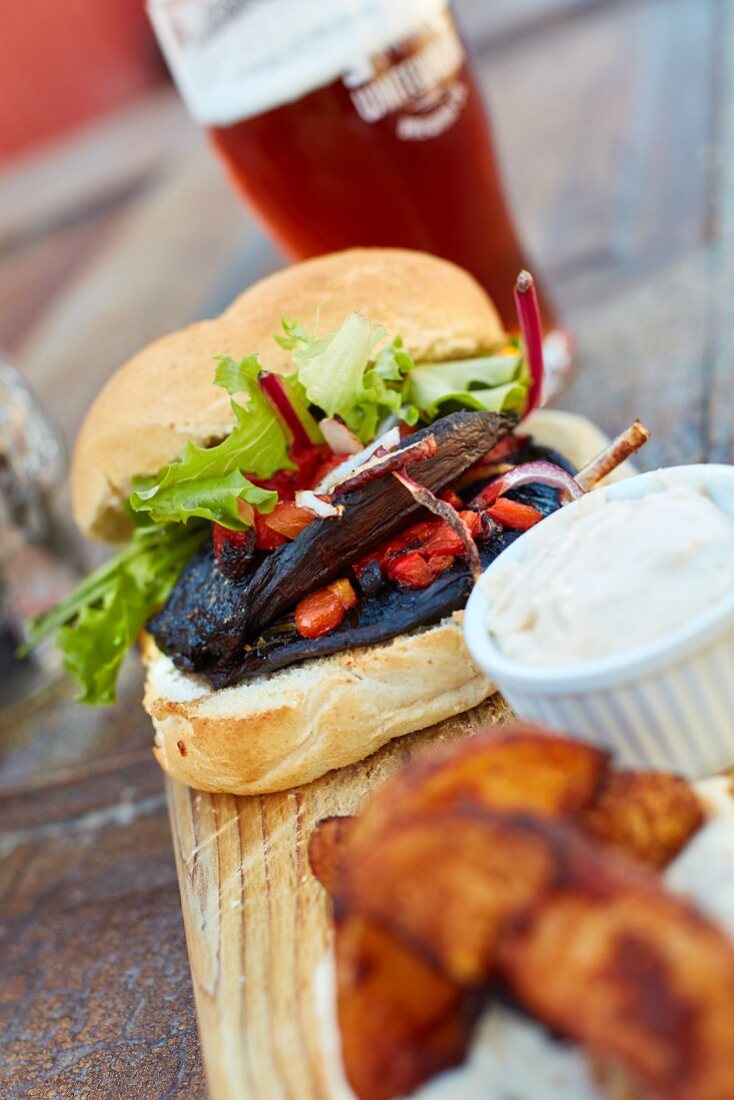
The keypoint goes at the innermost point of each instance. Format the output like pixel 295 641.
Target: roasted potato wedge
pixel 447 882
pixel 615 963
pixel 495 858
pixel 401 1021
pixel 516 768
pixel 326 848
pixel 648 815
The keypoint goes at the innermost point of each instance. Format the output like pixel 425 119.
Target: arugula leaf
pixel 97 623
pixel 497 383
pixel 343 377
pixel 207 482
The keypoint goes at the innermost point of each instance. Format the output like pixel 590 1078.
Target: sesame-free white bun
pixel 165 395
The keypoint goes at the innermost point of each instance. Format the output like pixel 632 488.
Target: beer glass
pixel 351 122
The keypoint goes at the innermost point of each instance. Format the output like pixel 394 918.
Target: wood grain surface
pixel 615 124
pixel 257 922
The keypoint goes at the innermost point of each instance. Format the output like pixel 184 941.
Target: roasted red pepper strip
pixel 414 536
pixel 288 519
pixel 410 570
pixel 511 513
pixel 324 611
pixel 453 499
pixel 311 464
pixel 267 537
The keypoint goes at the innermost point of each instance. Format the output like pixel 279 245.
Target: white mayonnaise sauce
pixel 617 574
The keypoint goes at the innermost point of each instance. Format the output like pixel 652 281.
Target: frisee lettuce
pixel 100 620
pixel 496 383
pixel 347 374
pixel 208 482
pixel 344 376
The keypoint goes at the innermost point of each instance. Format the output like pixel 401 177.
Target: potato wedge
pixel 615 963
pixel 516 768
pixel 326 848
pixel 401 1021
pixel 648 815
pixel 447 882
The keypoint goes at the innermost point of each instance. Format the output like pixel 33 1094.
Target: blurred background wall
pixel 63 62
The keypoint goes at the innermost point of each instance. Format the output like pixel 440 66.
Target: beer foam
pixel 273 52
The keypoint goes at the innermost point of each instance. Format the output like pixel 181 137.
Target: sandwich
pixel 304 490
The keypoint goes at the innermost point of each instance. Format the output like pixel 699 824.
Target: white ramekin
pixel 667 704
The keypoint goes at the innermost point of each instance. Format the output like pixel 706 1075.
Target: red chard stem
pixel 531 329
pixel 276 391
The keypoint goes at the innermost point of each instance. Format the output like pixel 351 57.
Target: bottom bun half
pixel 287 728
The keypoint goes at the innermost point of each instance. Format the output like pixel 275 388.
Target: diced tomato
pixel 452 498
pixel 410 570
pixel 344 591
pixel 288 519
pixel 324 611
pixel 319 613
pixel 405 559
pixel 443 541
pixel 412 537
pixel 267 537
pixel 473 520
pixel 439 563
pixel 511 513
pixel 223 535
pixel 311 464
pixel 284 483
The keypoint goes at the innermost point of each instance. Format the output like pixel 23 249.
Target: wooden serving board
pixel 257 922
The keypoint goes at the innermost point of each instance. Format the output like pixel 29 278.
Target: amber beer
pixel 370 134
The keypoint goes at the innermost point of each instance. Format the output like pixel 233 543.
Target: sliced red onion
pixel 385 462
pixel 276 390
pixel 531 328
pixel 544 472
pixel 388 441
pixel 447 512
pixel 312 502
pixel 339 437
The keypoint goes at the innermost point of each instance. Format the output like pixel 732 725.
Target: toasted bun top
pixel 165 395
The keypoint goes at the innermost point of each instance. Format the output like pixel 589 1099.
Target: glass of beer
pixel 352 122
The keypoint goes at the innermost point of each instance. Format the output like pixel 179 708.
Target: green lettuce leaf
pixel 342 375
pixel 207 482
pixel 97 623
pixel 497 383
